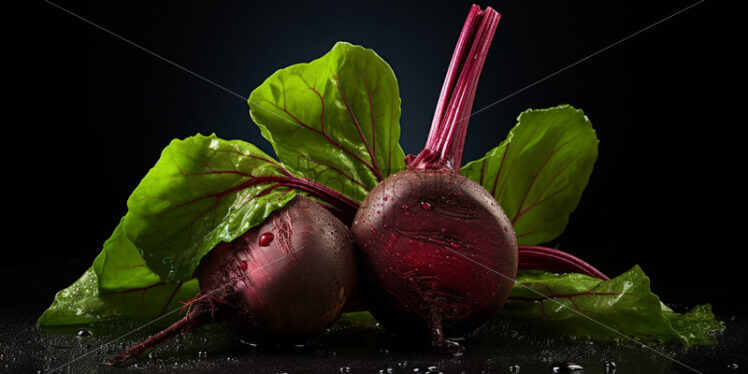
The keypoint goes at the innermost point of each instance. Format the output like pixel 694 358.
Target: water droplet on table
pixel 83 332
pixel 567 367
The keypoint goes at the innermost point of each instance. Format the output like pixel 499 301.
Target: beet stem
pixel 446 139
pixel 533 257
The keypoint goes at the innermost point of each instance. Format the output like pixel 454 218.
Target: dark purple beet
pixel 283 289
pixel 439 253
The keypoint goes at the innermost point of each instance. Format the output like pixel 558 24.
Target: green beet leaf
pixel 538 173
pixel 80 303
pixel 334 120
pixel 579 305
pixel 118 284
pixel 203 190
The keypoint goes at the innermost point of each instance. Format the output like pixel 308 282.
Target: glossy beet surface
pixel 438 252
pixel 285 279
pixel 282 281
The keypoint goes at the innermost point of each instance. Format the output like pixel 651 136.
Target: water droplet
pixel 514 369
pixel 444 229
pixel 455 245
pixel 404 207
pixel 506 229
pixel 425 205
pixel 432 368
pixel 373 231
pixel 398 254
pixel 385 198
pixel 386 371
pixel 243 264
pixel 83 332
pixel 402 364
pixel 344 369
pixel 610 367
pixel 202 354
pixel 567 367
pixel 733 366
pixel 266 239
pixel 379 212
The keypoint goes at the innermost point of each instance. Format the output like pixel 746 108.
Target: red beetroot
pixel 439 253
pixel 282 281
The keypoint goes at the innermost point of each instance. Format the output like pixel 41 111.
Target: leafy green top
pixel 335 120
pixel 539 172
pixel 334 124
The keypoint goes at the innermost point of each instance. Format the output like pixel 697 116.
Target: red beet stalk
pixel 552 260
pixel 446 139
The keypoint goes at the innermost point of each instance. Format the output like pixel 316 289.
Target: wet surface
pixel 498 347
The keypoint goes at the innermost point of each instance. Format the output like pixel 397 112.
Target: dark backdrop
pixel 103 110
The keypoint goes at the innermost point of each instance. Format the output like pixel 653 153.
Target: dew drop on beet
pixel 567 367
pixel 425 205
pixel 373 231
pixel 506 229
pixel 404 207
pixel 444 229
pixel 83 332
pixel 385 198
pixel 243 264
pixel 379 212
pixel 266 239
pixel 455 245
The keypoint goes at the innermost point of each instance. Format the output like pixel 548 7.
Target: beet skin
pixel 281 282
pixel 292 288
pixel 439 253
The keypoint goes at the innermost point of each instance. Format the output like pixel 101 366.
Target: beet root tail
pixel 191 320
pixel 438 341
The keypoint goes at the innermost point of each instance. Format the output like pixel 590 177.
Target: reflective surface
pixel 498 347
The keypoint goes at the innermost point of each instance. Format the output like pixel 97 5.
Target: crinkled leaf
pixel 538 173
pixel 118 285
pixel 579 305
pixel 334 120
pixel 202 191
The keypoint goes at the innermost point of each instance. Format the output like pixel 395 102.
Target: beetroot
pixel 282 281
pixel 439 253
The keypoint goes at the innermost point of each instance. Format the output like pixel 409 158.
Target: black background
pixel 103 110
